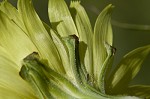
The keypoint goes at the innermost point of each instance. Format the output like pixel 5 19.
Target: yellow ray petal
pixel 12 13
pixel 60 18
pixel 85 34
pixel 127 69
pixel 14 40
pixel 102 36
pixel 39 35
pixel 11 84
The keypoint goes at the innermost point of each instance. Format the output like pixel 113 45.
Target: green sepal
pixel 34 72
pixel 63 52
pixel 48 83
pixel 85 34
pixel 106 68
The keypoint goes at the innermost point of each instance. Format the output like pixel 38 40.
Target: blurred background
pixel 130 21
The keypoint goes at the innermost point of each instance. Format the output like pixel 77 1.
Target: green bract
pixel 68 60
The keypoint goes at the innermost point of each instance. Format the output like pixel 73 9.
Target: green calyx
pixel 49 84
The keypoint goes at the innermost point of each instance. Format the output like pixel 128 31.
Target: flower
pixel 65 60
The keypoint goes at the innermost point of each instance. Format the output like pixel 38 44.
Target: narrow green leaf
pixel 60 15
pixel 14 40
pixel 127 69
pixel 102 35
pixel 142 91
pixel 72 44
pixel 85 34
pixel 11 85
pixel 39 35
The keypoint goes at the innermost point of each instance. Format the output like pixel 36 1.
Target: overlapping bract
pixel 77 66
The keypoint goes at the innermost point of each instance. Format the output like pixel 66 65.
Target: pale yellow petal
pixel 39 35
pixel 60 18
pixel 11 84
pixel 14 40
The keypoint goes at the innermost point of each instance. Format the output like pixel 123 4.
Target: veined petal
pixel 39 35
pixel 142 91
pixel 102 36
pixel 14 40
pixel 85 34
pixel 127 69
pixel 11 84
pixel 60 18
pixel 12 13
pixel 82 22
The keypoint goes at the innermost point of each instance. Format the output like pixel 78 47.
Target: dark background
pixel 129 14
